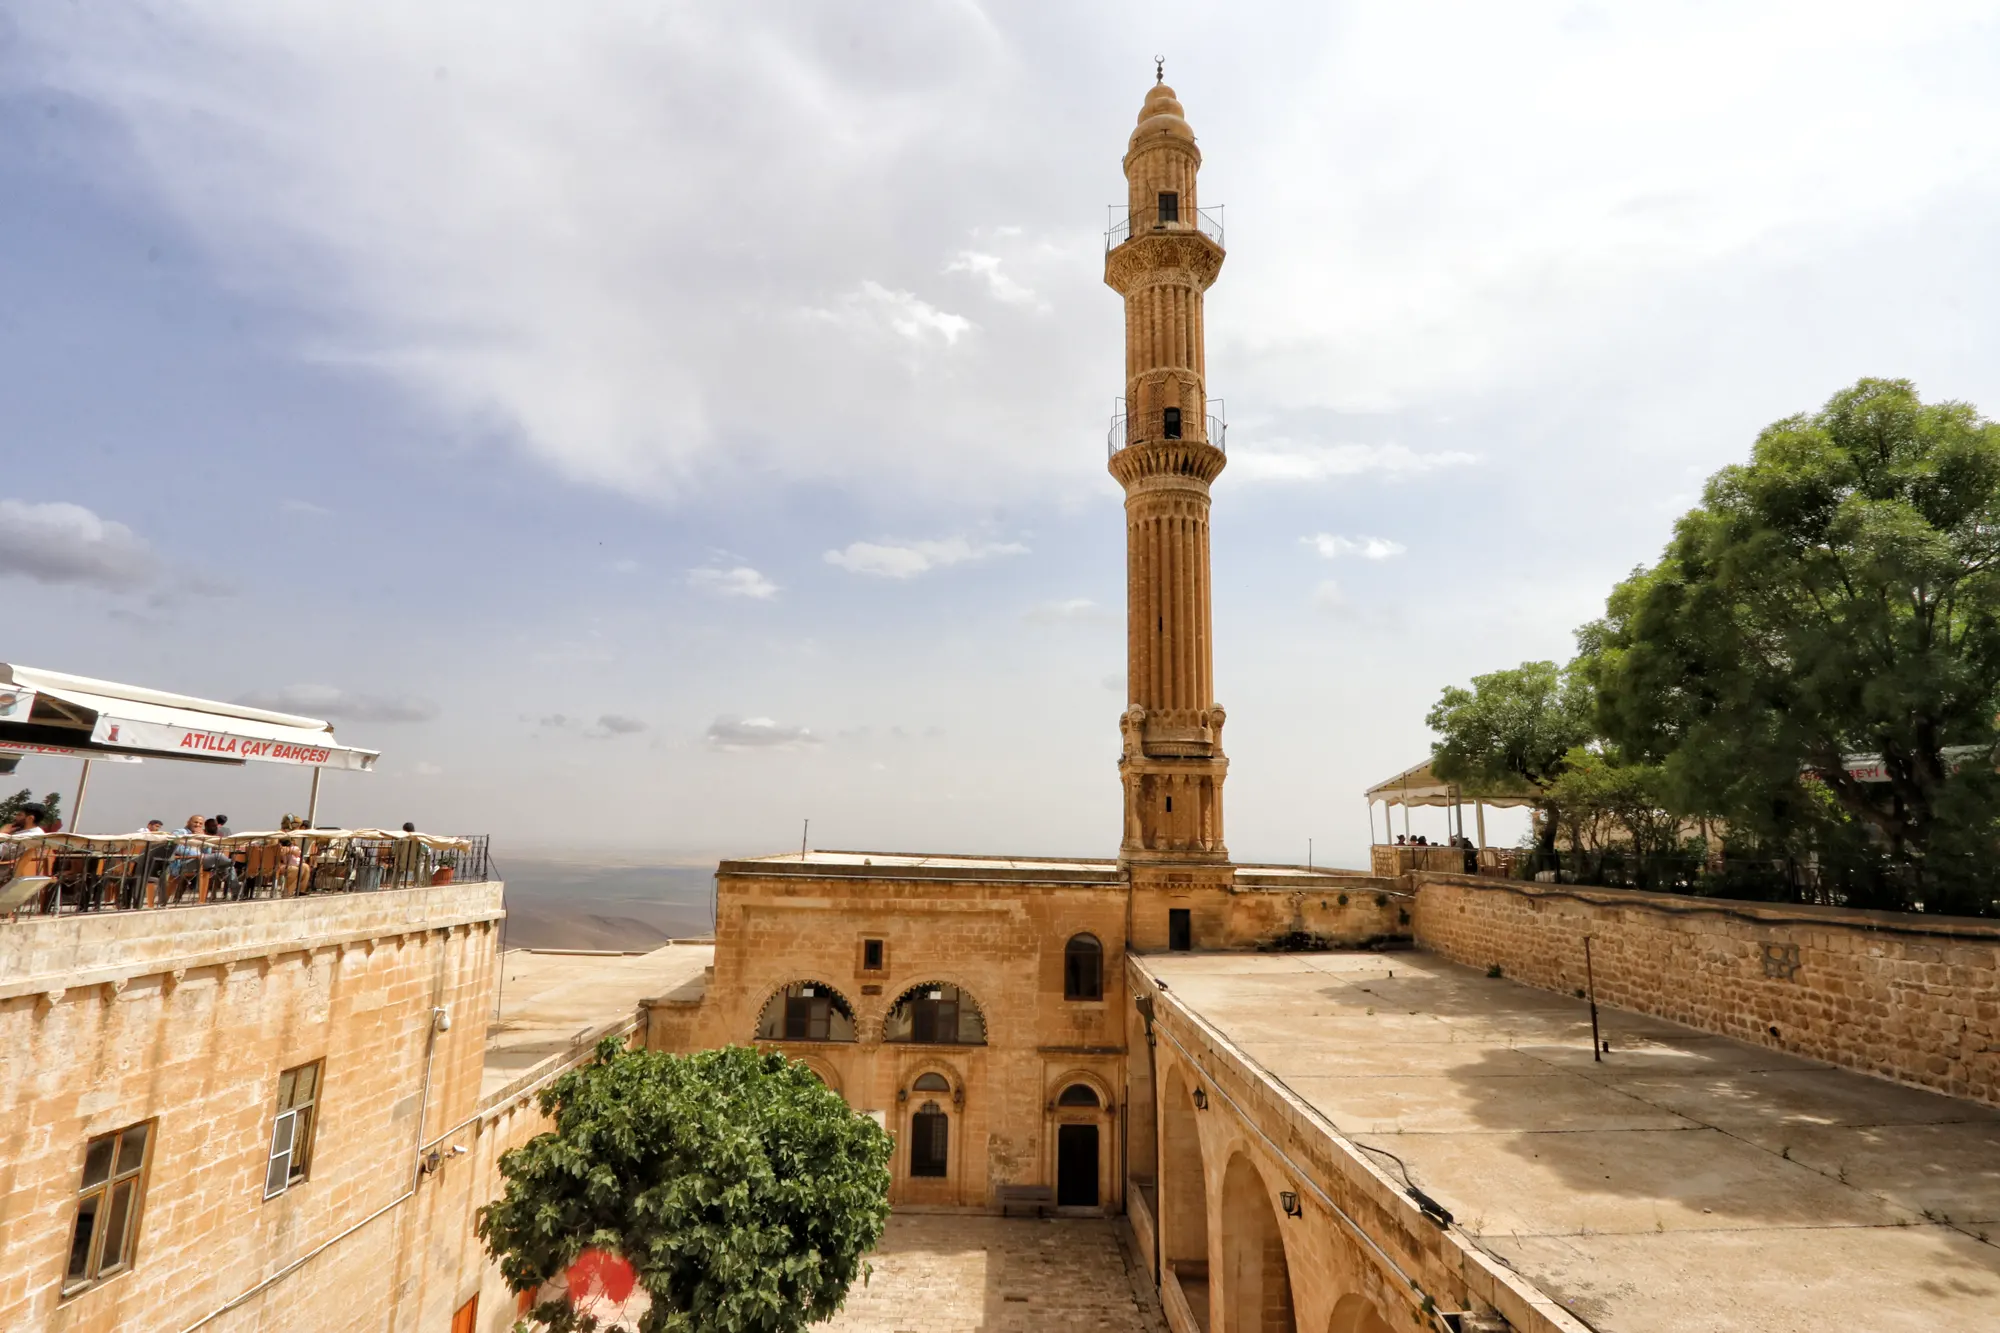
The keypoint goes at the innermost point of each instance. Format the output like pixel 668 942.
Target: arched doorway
pixel 1183 1193
pixel 1078 1144
pixel 1257 1291
pixel 930 1142
pixel 1357 1314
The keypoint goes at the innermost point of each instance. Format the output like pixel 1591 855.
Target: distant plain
pixel 562 902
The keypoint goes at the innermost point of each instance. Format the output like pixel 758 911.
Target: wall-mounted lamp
pixel 1200 1100
pixel 1291 1202
pixel 902 1095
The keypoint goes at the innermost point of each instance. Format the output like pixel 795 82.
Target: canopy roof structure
pixel 53 713
pixel 1420 785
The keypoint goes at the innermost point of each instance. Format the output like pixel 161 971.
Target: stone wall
pixel 185 1017
pixel 1907 997
pixel 999 935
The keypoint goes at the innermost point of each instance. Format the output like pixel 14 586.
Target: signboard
pixel 19 748
pixel 192 743
pixel 1870 768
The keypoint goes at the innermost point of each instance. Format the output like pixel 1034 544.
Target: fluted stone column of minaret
pixel 1163 454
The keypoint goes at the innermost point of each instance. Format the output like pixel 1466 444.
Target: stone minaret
pixel 1165 450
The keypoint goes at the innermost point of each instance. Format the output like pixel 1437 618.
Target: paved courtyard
pixel 940 1273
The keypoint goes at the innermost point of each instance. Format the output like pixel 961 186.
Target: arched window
pixel 806 1011
pixel 1083 968
pixel 1078 1094
pixel 936 1011
pixel 930 1141
pixel 932 1082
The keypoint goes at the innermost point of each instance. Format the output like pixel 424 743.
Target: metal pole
pixel 802 841
pixel 1590 980
pixel 1479 811
pixel 312 801
pixel 1309 853
pixel 76 810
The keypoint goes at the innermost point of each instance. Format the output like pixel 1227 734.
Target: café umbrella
pixel 54 713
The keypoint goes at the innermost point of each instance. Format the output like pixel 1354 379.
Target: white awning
pixel 1419 785
pixel 103 718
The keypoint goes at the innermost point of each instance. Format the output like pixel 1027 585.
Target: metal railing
pixel 1128 429
pixel 1128 222
pixel 63 873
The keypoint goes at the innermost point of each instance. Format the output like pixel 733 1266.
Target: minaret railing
pixel 1130 428
pixel 1127 222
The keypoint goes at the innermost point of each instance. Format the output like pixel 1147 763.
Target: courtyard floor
pixel 950 1273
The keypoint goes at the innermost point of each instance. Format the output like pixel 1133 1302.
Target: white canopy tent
pixel 54 713
pixel 1420 785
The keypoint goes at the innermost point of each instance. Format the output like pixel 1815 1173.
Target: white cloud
pixel 66 543
pixel 999 285
pixel 341 705
pixel 894 559
pixel 617 724
pixel 758 733
pixel 736 581
pixel 1070 609
pixel 909 316
pixel 1368 548
pixel 1283 461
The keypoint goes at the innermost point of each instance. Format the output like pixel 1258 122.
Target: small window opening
pixel 871 955
pixel 931 1082
pixel 1083 968
pixel 1078 1094
pixel 1170 206
pixel 1170 805
pixel 292 1131
pixel 1170 423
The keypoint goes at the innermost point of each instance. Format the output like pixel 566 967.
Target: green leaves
pixel 1837 594
pixel 739 1187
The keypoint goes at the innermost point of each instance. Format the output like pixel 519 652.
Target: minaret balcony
pixel 1129 223
pixel 1170 426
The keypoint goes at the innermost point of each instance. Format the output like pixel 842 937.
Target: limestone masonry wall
pixel 1907 997
pixel 185 1018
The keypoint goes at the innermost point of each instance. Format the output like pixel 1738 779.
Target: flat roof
pixel 926 865
pixel 552 1002
pixel 1686 1181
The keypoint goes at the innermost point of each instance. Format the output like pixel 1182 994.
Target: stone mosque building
pixel 1465 1105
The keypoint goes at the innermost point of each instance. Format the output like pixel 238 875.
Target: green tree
pixel 1513 730
pixel 51 804
pixel 1837 594
pixel 741 1190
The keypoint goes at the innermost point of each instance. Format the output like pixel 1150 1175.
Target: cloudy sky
pixel 655 424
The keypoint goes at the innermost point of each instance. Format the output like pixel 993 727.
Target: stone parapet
pixel 43 954
pixel 1908 997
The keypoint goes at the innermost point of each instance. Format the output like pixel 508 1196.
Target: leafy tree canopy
pixel 1513 730
pixel 742 1191
pixel 1839 593
pixel 51 804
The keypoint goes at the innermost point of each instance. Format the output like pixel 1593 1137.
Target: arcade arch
pixel 806 1011
pixel 1357 1314
pixel 1257 1282
pixel 1183 1188
pixel 938 1013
